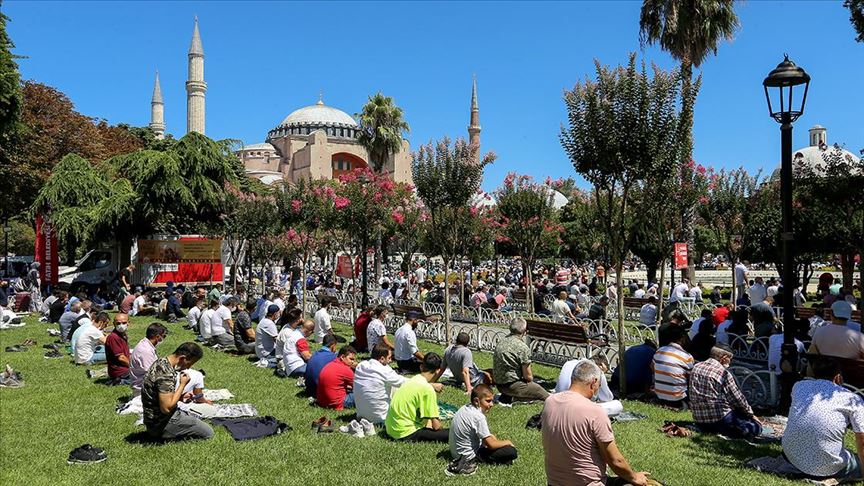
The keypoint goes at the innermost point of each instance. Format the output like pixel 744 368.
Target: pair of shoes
pixel 363 428
pixel 86 454
pixel 672 430
pixel 29 342
pixel 10 378
pixel 52 347
pixel 301 382
pixel 323 426
pixel 461 466
pixel 53 354
pixel 18 348
pixel 97 373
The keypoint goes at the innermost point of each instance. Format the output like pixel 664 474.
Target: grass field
pixel 60 409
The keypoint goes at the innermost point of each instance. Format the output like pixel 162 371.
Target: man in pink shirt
pixel 578 442
pixel 144 355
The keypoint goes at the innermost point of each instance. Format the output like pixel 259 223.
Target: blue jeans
pixel 735 425
pixel 349 400
pixel 98 356
pixel 852 471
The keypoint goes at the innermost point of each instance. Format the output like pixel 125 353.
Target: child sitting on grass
pixel 470 439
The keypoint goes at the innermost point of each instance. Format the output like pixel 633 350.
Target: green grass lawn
pixel 60 409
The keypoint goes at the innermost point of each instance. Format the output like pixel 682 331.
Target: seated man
pixel 604 397
pixel 470 438
pixel 161 391
pixel 837 339
pixel 266 334
pixel 295 348
pixel 143 355
pixel 173 308
pixel 68 318
pixel 821 412
pixel 376 331
pixel 637 360
pixel 317 362
pixel 717 404
pixel 141 306
pixel 413 412
pixel 336 381
pixel 459 359
pixel 578 443
pixel 511 367
pixel 361 324
pixel 598 310
pixel 244 334
pixel 90 345
pixel 117 350
pixel 374 381
pixel 406 352
pixel 672 366
pixel 561 311
pixel 194 314
pixel 648 313
pixel 704 316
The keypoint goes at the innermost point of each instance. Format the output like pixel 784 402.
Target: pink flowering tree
pixel 406 228
pixel 447 175
pixel 248 217
pixel 528 220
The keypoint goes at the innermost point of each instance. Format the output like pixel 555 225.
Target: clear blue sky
pixel 264 60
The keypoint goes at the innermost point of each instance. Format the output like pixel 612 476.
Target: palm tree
pixel 689 30
pixel 381 129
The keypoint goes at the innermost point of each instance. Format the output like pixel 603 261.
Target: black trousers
pixel 409 365
pixel 428 435
pixel 503 456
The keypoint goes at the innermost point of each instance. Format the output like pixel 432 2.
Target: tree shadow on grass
pixel 715 451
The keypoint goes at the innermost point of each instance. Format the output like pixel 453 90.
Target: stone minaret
pixel 195 85
pixel 474 126
pixel 157 111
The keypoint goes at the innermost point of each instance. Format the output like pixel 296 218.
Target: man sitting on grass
pixel 459 359
pixel 672 366
pixel 718 405
pixel 117 350
pixel 321 358
pixel 470 438
pixel 374 381
pixel 161 391
pixel 407 354
pixel 336 381
pixel 511 365
pixel 266 334
pixel 244 334
pixel 413 413
pixel 604 397
pixel 295 348
pixel 90 345
pixel 578 443
pixel 143 355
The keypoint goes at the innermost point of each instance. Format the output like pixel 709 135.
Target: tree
pixel 689 30
pixel 583 238
pixel 10 98
pixel 856 16
pixel 623 133
pixel 447 177
pixel 248 219
pixel 529 221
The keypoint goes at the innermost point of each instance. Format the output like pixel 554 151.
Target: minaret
pixel 474 126
pixel 157 111
pixel 195 85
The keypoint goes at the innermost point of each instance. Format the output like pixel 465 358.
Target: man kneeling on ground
pixel 717 403
pixel 821 412
pixel 470 438
pixel 160 393
pixel 413 413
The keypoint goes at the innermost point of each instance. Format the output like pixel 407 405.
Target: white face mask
pixel 121 327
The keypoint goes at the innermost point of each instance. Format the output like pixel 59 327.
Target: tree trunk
pixel 733 297
pixel 847 266
pixel 651 269
pixel 622 372
pixel 529 286
pixel 660 295
pixel 446 301
pixel 378 259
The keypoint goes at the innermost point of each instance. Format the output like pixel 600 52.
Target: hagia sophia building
pixel 316 141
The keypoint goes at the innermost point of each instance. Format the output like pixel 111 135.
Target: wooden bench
pixel 401 310
pixel 566 333
pixel 806 312
pixel 856 315
pixel 635 303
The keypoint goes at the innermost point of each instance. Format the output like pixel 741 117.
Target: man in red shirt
pixel 117 352
pixel 360 325
pixel 126 304
pixel 336 381
pixel 721 314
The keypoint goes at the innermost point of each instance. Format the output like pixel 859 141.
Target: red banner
pixel 46 251
pixel 680 256
pixel 343 266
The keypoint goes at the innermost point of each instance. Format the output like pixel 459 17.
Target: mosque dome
pixel 812 156
pixel 558 200
pixel 332 121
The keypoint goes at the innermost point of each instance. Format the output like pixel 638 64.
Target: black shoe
pixel 53 354
pixel 53 347
pixel 18 348
pixel 86 454
pixel 461 466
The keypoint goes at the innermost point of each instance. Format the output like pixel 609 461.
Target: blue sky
pixel 264 60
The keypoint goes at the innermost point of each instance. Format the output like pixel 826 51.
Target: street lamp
pixel 783 83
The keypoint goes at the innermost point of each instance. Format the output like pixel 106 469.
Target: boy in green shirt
pixel 413 413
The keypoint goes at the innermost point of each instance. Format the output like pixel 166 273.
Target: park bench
pixel 634 303
pixel 401 310
pixel 806 312
pixel 566 333
pixel 856 315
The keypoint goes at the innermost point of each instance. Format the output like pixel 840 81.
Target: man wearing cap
pixel 837 339
pixel 408 356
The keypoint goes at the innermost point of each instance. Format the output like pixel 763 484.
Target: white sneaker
pixel 368 427
pixel 356 429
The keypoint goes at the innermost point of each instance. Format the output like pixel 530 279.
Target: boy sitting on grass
pixel 470 439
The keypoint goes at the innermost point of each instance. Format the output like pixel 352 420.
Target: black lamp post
pixel 784 84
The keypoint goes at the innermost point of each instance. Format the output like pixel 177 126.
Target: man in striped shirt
pixel 672 366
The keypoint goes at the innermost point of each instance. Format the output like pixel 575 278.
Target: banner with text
pixel 46 251
pixel 680 256
pixel 180 251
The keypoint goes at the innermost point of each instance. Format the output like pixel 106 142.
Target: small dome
pixel 812 157
pixel 319 114
pixel 259 146
pixel 558 200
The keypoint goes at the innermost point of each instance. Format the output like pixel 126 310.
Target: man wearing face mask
pixel 160 393
pixel 144 355
pixel 717 403
pixel 117 352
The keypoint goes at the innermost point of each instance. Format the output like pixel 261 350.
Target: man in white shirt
pixel 266 333
pixel 773 287
pixel 322 320
pixel 374 381
pixel 680 291
pixel 696 292
pixel 222 324
pixel 757 291
pixel 420 274
pixel 722 336
pixel 407 354
pixel 280 299
pixel 741 276
pixel 194 314
pixel 90 345
pixel 376 331
pixel 204 322
pixel 561 311
pixel 640 293
pixel 295 348
pixel 821 412
pixel 604 396
pixel 612 292
pixel 648 313
pixel 141 306
pixel 694 328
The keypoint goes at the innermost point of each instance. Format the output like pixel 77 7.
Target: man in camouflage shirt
pixel 511 365
pixel 161 392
